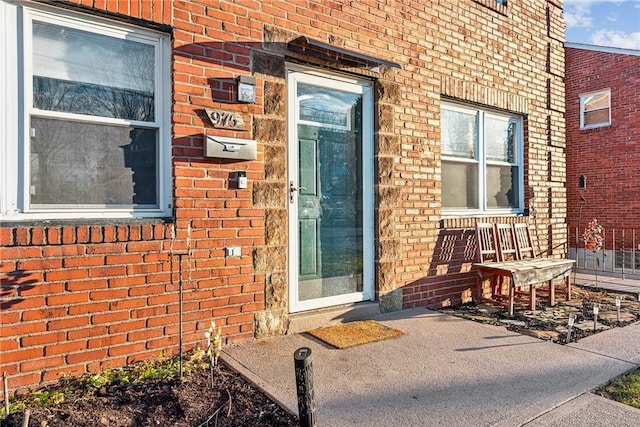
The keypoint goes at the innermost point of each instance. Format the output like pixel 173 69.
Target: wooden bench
pixel 506 256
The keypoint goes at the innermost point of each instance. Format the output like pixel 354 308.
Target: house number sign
pixel 226 119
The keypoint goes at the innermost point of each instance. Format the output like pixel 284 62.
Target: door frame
pixel 299 74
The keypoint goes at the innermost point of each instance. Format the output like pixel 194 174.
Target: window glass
pixel 89 164
pixel 481 160
pixel 459 130
pixel 596 117
pixel 502 187
pixel 596 102
pixel 595 109
pixel 80 72
pixel 459 185
pixel 499 134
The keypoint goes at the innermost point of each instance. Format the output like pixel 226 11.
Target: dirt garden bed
pixel 551 322
pixel 90 401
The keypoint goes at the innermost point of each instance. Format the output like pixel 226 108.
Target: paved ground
pixel 606 282
pixel 453 372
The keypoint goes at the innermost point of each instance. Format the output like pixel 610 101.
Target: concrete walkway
pixel 616 284
pixel 447 371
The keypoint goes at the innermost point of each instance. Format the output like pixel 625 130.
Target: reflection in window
pixel 84 73
pixel 325 110
pixel 481 160
pixel 595 109
pixel 75 163
pixel 459 132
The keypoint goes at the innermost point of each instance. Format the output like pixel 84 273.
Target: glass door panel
pixel 328 196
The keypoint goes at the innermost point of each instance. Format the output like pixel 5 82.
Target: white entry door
pixel 330 184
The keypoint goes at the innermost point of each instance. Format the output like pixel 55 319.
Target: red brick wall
pixel 80 296
pixel 608 156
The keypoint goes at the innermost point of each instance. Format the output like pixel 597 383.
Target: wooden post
pixel 304 385
pixel 5 390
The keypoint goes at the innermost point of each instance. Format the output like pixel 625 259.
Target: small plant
pixel 101 379
pixel 18 406
pixel 48 398
pixel 87 385
pixel 214 346
pixel 592 236
pixel 594 241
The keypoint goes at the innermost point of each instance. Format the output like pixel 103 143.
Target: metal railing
pixel 620 255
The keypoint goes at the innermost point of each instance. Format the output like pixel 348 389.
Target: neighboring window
pixel 595 109
pixel 499 6
pixel 481 160
pixel 94 131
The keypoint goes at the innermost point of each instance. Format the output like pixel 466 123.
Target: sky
pixel 612 23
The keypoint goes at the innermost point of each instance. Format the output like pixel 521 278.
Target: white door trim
pixel 296 74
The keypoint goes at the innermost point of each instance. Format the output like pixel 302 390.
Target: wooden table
pixel 525 273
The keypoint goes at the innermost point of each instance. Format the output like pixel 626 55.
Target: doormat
pixel 345 335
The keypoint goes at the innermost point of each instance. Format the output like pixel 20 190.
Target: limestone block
pixel 270 65
pixel 269 194
pixel 276 227
pixel 390 197
pixel 389 249
pixel 277 35
pixel 385 277
pixel 385 170
pixel 261 260
pixel 266 259
pixel 389 145
pixel 386 220
pixel 274 98
pixel 387 73
pixel 270 322
pixel 275 162
pixel 269 130
pixel 388 92
pixel 391 301
pixel 385 118
pixel 276 289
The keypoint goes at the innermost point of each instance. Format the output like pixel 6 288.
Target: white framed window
pixel 482 161
pixel 90 136
pixel 595 109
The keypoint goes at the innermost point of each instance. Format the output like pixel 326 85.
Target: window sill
pixel 71 222
pixel 606 125
pixel 70 232
pixel 469 221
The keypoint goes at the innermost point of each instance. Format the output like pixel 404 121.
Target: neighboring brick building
pixel 378 134
pixel 603 145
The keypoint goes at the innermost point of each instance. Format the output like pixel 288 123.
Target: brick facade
pixel 81 295
pixel 608 156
